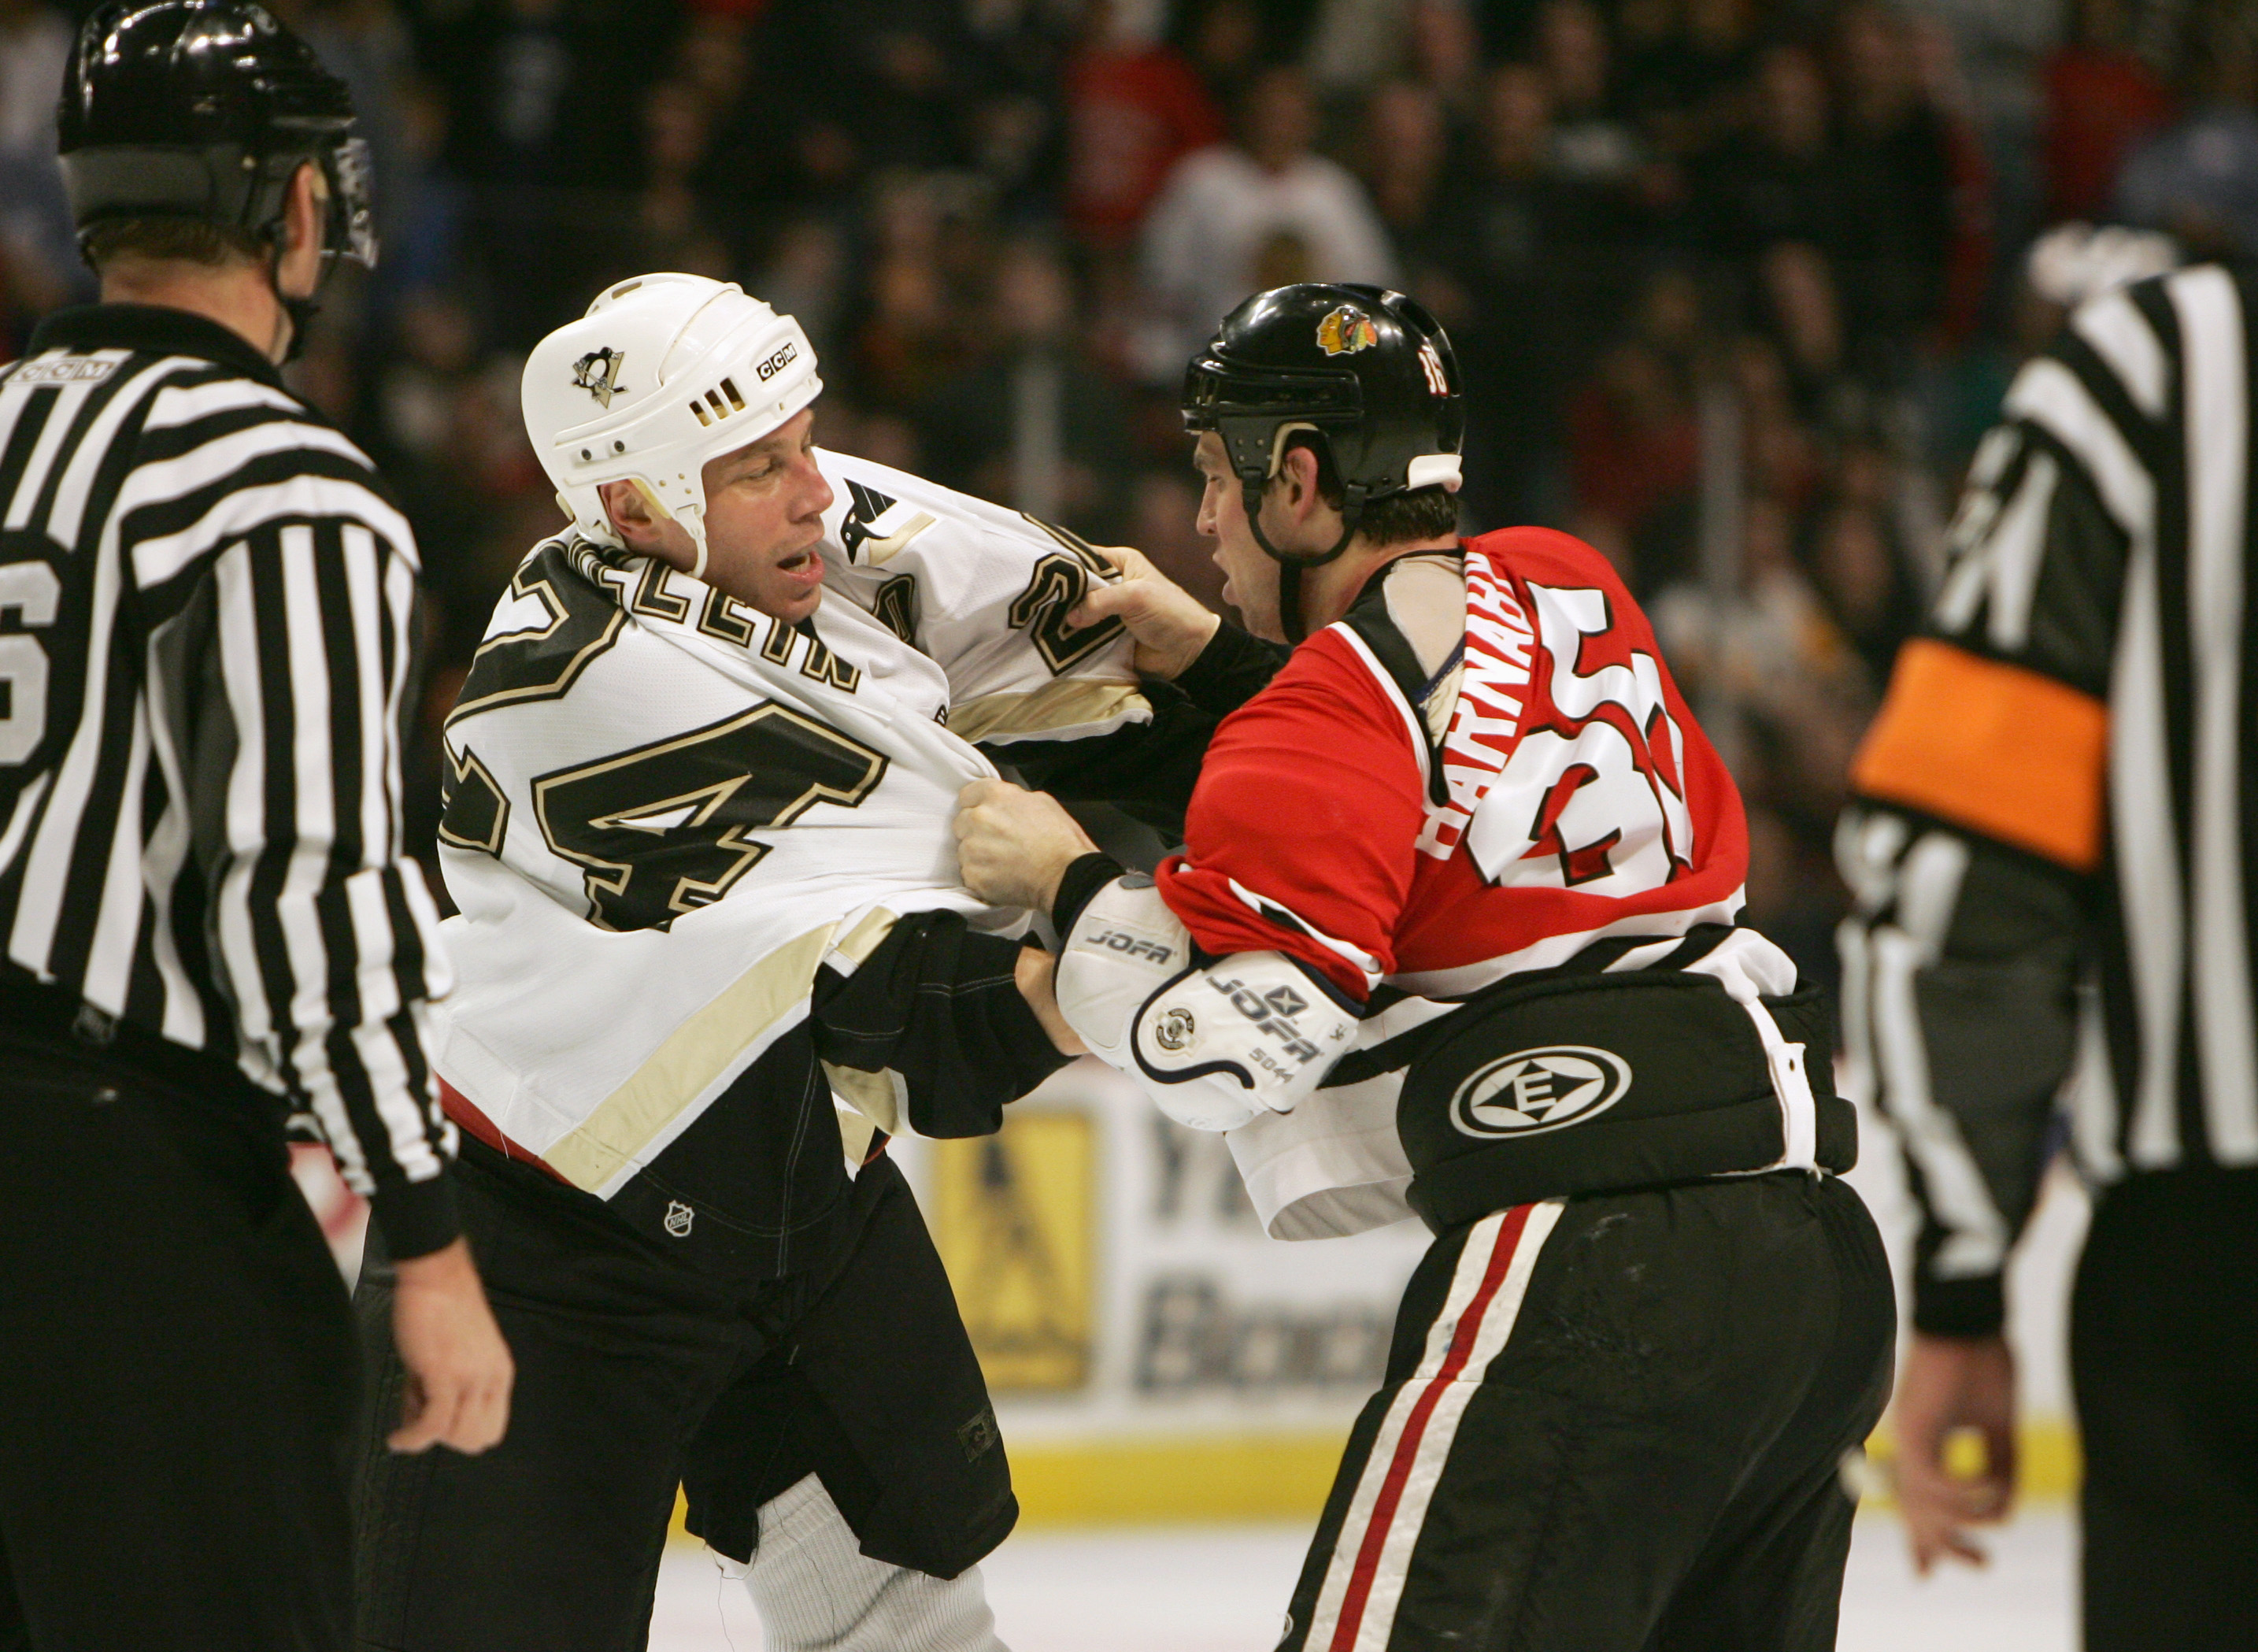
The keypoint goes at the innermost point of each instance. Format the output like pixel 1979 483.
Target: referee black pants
pixel 1614 1424
pixel 177 1372
pixel 2164 1359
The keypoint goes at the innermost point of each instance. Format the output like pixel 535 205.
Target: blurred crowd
pixel 1737 284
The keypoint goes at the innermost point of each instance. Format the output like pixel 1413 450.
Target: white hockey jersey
pixel 667 810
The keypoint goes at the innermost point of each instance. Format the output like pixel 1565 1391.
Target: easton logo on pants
pixel 1532 1091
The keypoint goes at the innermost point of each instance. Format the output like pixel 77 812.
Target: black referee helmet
pixel 1366 371
pixel 206 110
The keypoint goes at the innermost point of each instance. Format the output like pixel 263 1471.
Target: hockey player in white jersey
pixel 713 951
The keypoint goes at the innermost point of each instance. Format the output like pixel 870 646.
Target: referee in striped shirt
pixel 210 930
pixel 2056 861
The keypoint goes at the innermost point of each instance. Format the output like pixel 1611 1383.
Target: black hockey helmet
pixel 1368 370
pixel 206 109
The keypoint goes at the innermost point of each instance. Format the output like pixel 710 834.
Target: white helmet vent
pixel 736 404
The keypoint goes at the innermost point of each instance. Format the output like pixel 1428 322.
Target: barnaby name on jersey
pixel 1487 720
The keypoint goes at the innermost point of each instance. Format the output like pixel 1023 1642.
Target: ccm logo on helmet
pixel 1533 1090
pixel 785 355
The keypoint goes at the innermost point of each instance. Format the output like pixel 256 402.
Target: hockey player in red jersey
pixel 1453 932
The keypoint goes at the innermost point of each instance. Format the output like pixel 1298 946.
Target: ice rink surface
pixel 1223 1589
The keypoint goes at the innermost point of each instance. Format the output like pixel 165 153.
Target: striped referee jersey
pixel 2054 852
pixel 206 610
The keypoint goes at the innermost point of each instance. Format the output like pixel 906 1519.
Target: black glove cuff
pixel 1082 881
pixel 1231 669
pixel 1959 1308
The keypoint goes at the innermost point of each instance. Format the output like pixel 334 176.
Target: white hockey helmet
pixel 663 373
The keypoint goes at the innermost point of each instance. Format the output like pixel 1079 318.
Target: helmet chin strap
pixel 692 523
pixel 1290 568
pixel 302 311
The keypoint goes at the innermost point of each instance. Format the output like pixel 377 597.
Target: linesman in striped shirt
pixel 2055 857
pixel 211 931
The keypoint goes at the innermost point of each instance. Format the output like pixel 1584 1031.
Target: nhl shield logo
pixel 1533 1090
pixel 1345 331
pixel 678 1218
pixel 598 373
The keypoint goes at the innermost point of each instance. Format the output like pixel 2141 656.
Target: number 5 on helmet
pixel 1213 1045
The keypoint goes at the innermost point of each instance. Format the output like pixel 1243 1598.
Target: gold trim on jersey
pixel 614 1136
pixel 1068 702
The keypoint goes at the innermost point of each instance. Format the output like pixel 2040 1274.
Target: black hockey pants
pixel 2164 1357
pixel 1614 1423
pixel 635 1374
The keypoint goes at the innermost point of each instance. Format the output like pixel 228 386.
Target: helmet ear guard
pixel 1254 483
pixel 352 228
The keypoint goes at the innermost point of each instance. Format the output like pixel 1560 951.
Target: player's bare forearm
pixel 1013 845
pixel 460 1370
pixel 1036 973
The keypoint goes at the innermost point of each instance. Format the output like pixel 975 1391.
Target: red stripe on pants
pixel 1406 1447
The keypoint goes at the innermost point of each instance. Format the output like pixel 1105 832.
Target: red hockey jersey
pixel 1438 801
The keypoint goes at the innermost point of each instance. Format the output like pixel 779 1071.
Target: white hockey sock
pixel 817 1592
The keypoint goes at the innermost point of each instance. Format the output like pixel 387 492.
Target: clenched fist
pixel 1013 845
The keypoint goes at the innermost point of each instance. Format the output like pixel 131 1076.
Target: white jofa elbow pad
pixel 1123 946
pixel 1212 1046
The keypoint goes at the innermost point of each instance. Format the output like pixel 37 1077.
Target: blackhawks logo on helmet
pixel 1345 331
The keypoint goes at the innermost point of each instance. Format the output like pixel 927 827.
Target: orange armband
pixel 1999 749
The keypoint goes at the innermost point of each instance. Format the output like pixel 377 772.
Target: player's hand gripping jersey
pixel 1454 919
pixel 669 815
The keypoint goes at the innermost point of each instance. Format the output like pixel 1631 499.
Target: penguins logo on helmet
pixel 598 373
pixel 1345 331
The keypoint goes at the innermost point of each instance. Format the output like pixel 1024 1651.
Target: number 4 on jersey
pixel 665 829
